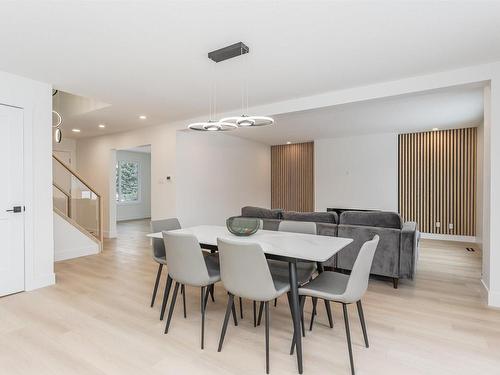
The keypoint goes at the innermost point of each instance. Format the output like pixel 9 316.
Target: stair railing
pixel 83 204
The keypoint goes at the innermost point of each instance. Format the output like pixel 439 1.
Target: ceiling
pixel 446 108
pixel 150 57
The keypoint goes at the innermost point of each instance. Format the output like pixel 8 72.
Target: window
pixel 127 181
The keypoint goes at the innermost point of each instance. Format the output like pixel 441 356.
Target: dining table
pixel 279 245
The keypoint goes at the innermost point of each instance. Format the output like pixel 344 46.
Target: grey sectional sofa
pixel 397 252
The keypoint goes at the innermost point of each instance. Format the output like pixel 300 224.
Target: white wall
pixel 488 267
pixel 142 208
pixel 67 145
pixel 479 183
pixel 69 242
pixel 357 172
pixel 232 177
pixel 97 158
pixel 218 174
pixel 35 98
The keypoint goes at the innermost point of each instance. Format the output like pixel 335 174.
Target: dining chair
pixel 159 257
pixel 187 265
pixel 346 289
pixel 245 273
pixel 305 270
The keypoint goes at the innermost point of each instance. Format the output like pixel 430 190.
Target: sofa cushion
pixel 372 219
pixel 260 212
pixel 317 217
pixel 386 259
pixel 271 224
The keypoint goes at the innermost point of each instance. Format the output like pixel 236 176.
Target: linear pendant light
pixel 211 124
pixel 246 120
pixel 230 123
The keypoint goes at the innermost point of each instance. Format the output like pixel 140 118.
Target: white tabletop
pixel 293 245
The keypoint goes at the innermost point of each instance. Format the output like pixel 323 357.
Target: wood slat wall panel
pixel 437 180
pixel 292 177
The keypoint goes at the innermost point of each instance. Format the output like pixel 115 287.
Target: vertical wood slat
pixel 437 180
pixel 292 177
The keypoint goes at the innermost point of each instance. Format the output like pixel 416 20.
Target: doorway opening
pixel 132 187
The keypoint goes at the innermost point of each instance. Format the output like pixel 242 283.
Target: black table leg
pixel 292 270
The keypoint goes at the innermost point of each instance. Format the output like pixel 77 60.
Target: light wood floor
pixel 97 320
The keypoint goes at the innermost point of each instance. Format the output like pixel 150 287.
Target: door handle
pixel 15 209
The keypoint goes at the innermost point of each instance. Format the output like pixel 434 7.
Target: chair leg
pixel 183 292
pixel 212 289
pixel 241 309
pixel 275 302
pixel 348 335
pixel 363 323
pixel 313 314
pixel 207 295
pixel 155 289
pixel 165 296
pixel 261 308
pixel 395 282
pixel 302 303
pixel 329 313
pixel 267 336
pixel 203 299
pixel 292 347
pixel 255 313
pixel 230 303
pixel 235 318
pixel 172 305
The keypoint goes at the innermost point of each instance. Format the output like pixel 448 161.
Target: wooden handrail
pixel 99 197
pixel 74 173
pixel 68 198
pixel 61 190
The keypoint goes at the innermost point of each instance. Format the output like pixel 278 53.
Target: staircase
pixel 78 225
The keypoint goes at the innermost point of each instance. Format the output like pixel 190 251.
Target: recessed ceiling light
pixel 75 130
pixel 102 126
pixel 142 117
pixel 288 143
pixel 435 129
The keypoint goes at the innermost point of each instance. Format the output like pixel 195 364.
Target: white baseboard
pixel 133 217
pixel 41 282
pixel 108 234
pixel 493 298
pixel 76 253
pixel 449 237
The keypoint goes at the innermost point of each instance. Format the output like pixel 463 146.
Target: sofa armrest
pixel 408 250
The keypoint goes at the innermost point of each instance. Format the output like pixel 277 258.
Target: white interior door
pixel 11 201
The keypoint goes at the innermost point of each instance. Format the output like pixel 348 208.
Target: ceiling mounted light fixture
pixel 244 120
pixel 58 135
pixel 230 123
pixel 56 119
pixel 56 116
pixel 212 124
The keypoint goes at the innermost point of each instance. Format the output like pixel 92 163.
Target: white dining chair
pixel 346 289
pixel 188 265
pixel 245 273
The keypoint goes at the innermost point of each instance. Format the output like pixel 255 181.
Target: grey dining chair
pixel 159 257
pixel 346 289
pixel 187 265
pixel 305 270
pixel 245 273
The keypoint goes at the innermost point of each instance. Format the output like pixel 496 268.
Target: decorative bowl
pixel 242 226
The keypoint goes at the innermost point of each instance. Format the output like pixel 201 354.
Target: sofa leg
pixel 395 282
